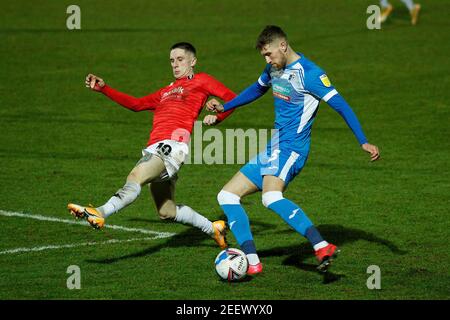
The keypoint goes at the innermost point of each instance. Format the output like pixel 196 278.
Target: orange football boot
pixel 219 235
pixel 92 215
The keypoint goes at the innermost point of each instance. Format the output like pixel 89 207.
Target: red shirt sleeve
pixel 135 104
pixel 218 89
pixel 223 115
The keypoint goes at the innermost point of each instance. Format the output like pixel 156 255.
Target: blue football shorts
pixel 282 163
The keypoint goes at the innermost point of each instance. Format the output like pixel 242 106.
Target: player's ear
pixel 194 61
pixel 284 46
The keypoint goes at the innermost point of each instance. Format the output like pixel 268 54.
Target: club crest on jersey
pixel 326 82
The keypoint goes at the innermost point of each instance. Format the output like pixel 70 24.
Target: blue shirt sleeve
pixel 252 93
pixel 341 106
pixel 265 80
pixel 318 84
pixel 248 95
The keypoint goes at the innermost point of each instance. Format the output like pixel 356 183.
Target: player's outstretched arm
pixel 338 103
pixel 250 94
pixel 132 103
pixel 317 82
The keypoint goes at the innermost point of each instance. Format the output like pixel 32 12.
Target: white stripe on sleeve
pixel 330 95
pixel 261 82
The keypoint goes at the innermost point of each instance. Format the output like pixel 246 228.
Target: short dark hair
pixel 269 34
pixel 185 46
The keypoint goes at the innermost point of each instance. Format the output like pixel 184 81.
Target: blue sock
pixel 240 226
pixel 297 219
pixel 313 235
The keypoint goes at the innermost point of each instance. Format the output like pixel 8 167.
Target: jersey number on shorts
pixel 165 149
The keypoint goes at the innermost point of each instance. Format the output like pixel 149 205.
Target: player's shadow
pixel 339 235
pixel 189 238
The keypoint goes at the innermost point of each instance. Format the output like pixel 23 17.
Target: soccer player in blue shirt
pixel 298 86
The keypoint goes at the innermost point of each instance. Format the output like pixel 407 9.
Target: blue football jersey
pixel 297 91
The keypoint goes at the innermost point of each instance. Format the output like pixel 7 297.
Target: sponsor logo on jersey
pixel 281 96
pixel 326 82
pixel 281 92
pixel 176 91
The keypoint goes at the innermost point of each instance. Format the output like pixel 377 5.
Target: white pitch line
pixel 157 235
pixel 52 219
pixel 52 247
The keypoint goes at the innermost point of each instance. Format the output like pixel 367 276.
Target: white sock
pixel 409 4
pixel 121 199
pixel 384 3
pixel 253 259
pixel 320 245
pixel 187 215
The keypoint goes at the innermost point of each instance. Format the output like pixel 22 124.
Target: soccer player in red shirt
pixel 176 108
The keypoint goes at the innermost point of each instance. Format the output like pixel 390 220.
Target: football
pixel 231 264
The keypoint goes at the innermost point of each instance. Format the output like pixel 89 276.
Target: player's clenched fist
pixel 94 82
pixel 214 106
pixel 210 120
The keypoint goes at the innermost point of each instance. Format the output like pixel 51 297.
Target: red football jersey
pixel 176 106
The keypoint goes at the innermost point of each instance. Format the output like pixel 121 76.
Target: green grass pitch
pixel 61 143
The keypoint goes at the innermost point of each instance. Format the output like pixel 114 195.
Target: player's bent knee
pixel 225 197
pixel 270 197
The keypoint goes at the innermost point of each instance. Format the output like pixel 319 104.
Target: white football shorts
pixel 172 152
